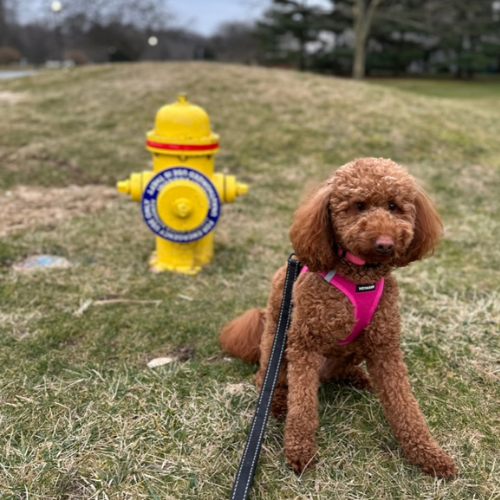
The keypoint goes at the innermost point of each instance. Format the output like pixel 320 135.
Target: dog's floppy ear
pixel 312 233
pixel 427 232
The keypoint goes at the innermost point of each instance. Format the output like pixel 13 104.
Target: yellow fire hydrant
pixel 181 198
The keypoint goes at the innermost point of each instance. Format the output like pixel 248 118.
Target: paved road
pixel 4 75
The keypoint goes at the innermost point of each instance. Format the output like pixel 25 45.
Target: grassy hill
pixel 81 414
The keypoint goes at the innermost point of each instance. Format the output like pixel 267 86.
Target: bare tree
pixel 36 42
pixel 153 14
pixel 363 12
pixel 103 30
pixel 7 20
pixel 234 42
pixel 3 23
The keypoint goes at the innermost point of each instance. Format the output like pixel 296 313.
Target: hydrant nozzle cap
pixel 123 186
pixel 241 189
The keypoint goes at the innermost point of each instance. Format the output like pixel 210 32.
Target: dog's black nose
pixel 384 245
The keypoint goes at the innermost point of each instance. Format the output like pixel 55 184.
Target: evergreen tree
pixel 468 33
pixel 286 29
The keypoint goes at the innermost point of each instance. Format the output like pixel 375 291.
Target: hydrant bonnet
pixel 182 126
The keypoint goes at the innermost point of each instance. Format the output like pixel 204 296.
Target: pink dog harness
pixel 364 298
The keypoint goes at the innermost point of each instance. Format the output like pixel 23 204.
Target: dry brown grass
pixel 12 97
pixel 25 206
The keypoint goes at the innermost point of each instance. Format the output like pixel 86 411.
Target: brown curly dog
pixel 366 219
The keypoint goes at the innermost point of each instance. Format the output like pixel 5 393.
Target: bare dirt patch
pixel 25 207
pixel 12 97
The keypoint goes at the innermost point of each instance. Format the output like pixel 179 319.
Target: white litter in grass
pixel 154 363
pixel 125 301
pixel 89 302
pixel 79 312
pixel 37 262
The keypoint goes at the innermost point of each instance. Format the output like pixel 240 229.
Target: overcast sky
pixel 204 16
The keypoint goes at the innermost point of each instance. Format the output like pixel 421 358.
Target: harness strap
pixel 364 299
pixel 248 464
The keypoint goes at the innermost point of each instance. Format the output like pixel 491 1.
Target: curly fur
pixel 364 203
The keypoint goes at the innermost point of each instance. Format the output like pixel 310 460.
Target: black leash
pixel 248 464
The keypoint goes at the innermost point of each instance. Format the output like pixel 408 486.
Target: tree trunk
pixel 359 63
pixel 3 23
pixel 302 55
pixel 363 12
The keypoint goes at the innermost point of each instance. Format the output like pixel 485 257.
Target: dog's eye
pixel 360 206
pixel 392 207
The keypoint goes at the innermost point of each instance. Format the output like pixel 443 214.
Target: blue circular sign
pixel 149 204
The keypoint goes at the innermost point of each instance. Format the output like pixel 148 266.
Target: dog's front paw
pixel 440 464
pixel 301 458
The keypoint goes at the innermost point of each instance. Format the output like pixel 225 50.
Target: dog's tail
pixel 241 336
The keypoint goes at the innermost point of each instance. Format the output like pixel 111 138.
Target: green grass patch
pixel 82 416
pixel 479 88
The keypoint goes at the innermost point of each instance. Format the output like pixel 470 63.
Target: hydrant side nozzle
pixel 123 186
pixel 227 187
pixel 233 188
pixel 241 188
pixel 135 184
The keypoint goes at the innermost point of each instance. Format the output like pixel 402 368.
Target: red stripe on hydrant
pixel 182 147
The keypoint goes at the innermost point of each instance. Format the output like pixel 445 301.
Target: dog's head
pixel 370 207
